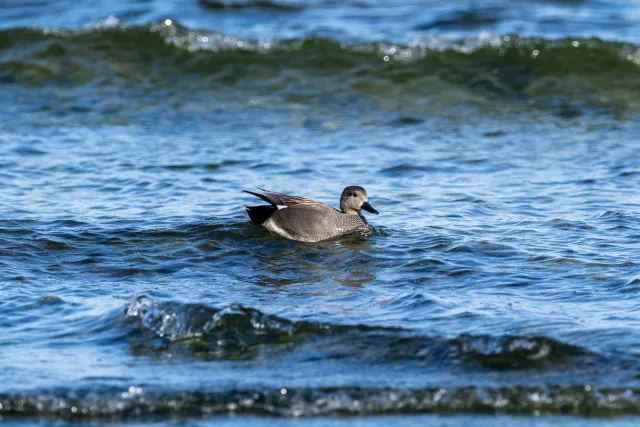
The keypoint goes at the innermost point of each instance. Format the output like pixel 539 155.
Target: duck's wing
pixel 282 201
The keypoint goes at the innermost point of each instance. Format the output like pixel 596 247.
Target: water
pixel 500 142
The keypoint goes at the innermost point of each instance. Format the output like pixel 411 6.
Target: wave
pixel 135 402
pixel 237 332
pixel 563 75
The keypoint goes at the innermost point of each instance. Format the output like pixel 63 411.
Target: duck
pixel 305 220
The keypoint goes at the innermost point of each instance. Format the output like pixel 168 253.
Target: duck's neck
pixel 354 212
pixel 349 211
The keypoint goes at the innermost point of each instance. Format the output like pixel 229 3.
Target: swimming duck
pixel 306 220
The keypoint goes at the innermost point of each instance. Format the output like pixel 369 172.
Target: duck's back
pixel 314 224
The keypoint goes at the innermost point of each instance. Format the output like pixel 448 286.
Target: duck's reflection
pixel 346 262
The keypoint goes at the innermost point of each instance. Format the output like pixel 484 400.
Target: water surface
pixel 499 143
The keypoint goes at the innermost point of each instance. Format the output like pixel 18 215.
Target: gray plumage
pixel 306 220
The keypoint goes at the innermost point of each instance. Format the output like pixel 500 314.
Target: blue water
pixel 500 142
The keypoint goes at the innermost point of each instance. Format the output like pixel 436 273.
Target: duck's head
pixel 354 199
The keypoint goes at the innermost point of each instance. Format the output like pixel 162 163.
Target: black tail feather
pixel 259 214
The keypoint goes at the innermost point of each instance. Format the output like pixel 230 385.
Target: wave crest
pixel 344 401
pixel 234 331
pixel 562 75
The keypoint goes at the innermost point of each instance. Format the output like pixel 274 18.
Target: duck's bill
pixel 367 207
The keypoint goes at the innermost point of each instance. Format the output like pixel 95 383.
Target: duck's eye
pixel 353 194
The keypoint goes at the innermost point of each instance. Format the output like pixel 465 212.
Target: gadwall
pixel 306 220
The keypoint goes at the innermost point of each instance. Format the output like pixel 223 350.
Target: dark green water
pixel 500 143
